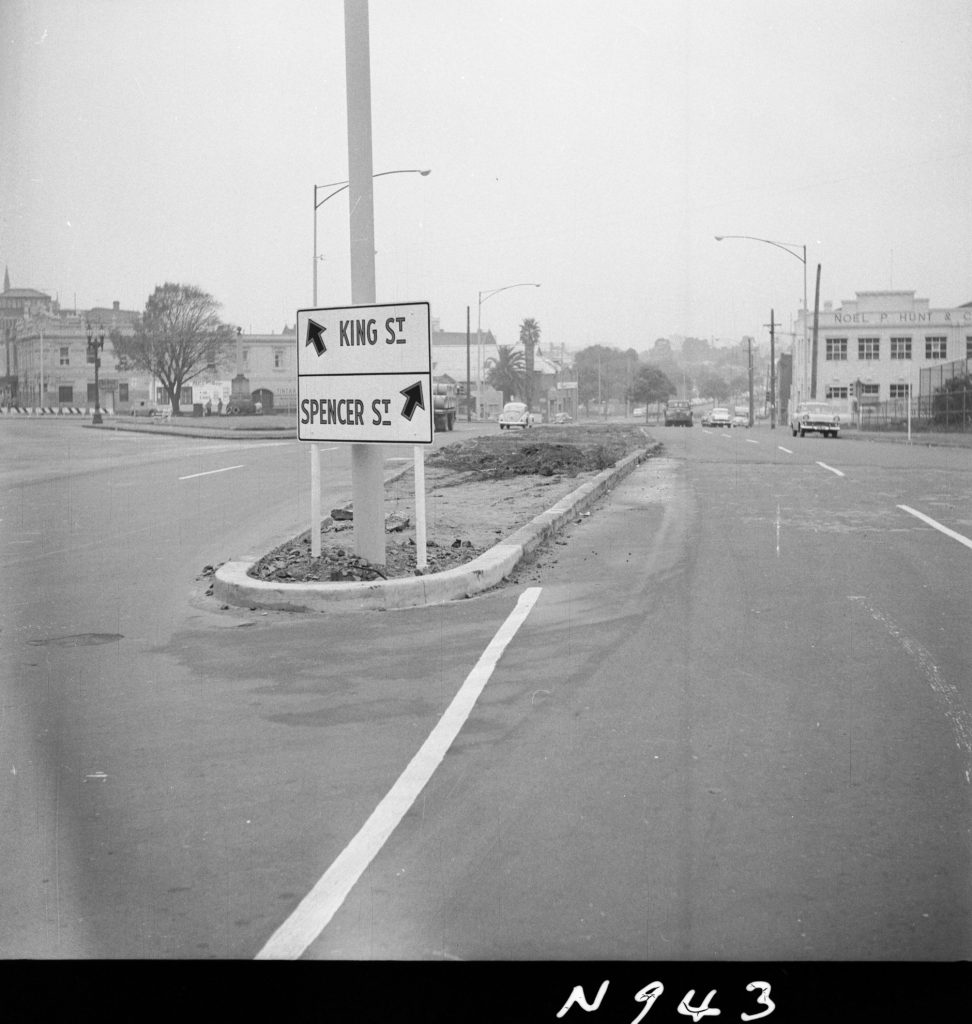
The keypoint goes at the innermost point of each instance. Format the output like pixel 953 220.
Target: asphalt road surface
pixel 726 717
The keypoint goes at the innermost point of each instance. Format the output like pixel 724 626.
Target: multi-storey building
pixel 873 348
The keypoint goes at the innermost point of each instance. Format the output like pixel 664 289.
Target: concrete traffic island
pixel 233 586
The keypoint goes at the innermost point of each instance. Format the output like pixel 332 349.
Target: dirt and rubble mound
pixel 541 451
pixel 478 491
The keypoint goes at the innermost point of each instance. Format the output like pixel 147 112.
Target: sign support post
pixel 315 501
pixel 421 561
pixel 367 462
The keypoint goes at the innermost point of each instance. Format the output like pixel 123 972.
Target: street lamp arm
pixel 483 296
pixel 785 246
pixel 346 184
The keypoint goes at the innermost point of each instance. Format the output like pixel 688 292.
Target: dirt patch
pixel 478 491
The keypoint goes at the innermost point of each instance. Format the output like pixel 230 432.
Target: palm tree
pixel 504 372
pixel 530 340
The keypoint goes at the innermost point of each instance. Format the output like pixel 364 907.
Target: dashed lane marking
pixel 823 465
pixel 210 472
pixel 782 449
pixel 317 908
pixel 936 525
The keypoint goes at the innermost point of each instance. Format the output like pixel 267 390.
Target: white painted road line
pixel 317 908
pixel 749 440
pixel 938 526
pixel 782 449
pixel 209 472
pixel 824 465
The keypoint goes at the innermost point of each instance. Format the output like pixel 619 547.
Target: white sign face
pixel 364 374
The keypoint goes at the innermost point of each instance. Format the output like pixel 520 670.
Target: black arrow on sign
pixel 315 336
pixel 413 397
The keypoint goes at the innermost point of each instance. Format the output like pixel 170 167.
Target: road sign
pixel 364 374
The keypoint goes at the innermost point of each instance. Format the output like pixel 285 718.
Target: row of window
pixel 870 391
pixel 64 357
pixel 869 349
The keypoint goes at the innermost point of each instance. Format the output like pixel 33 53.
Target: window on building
pixel 870 392
pixel 92 393
pixel 90 355
pixel 246 358
pixel 868 348
pixel 836 349
pixel 278 358
pixel 122 392
pixel 65 355
pixel 836 392
pixel 65 394
pixel 968 348
pixel 935 348
pixel 901 348
pixel 899 390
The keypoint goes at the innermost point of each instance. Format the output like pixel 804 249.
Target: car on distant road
pixel 144 408
pixel 706 420
pixel 563 417
pixel 515 414
pixel 719 417
pixel 640 411
pixel 740 418
pixel 678 413
pixel 817 417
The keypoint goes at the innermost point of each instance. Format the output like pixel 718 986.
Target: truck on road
pixel 445 405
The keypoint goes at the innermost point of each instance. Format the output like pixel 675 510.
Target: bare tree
pixel 177 337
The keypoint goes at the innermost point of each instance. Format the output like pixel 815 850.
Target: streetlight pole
pixel 342 186
pixel 791 248
pixel 96 342
pixel 483 296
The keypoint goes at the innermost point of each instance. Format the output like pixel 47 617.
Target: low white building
pixel 875 346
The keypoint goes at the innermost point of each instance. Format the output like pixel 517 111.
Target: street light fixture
pixel 791 248
pixel 342 185
pixel 96 342
pixel 483 296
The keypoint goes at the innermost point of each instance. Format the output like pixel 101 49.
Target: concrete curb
pixel 233 586
pixel 220 434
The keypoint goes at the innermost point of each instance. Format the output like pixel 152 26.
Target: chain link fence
pixel 943 403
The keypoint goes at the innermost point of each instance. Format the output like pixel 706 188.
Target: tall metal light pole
pixel 791 248
pixel 342 185
pixel 96 342
pixel 483 296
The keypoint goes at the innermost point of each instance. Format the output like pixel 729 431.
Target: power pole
pixel 772 326
pixel 468 389
pixel 749 342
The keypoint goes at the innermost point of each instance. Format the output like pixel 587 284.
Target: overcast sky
pixel 593 147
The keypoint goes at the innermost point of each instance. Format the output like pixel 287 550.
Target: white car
pixel 815 416
pixel 719 417
pixel 515 414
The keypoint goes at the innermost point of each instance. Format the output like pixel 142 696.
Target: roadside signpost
pixel 364 376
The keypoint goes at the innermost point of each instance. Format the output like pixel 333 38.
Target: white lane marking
pixel 749 440
pixel 782 449
pixel 777 529
pixel 938 526
pixel 955 712
pixel 209 472
pixel 317 908
pixel 824 465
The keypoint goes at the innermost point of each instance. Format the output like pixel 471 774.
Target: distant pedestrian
pixel 209 407
pixel 219 407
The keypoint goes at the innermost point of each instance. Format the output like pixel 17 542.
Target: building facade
pixel 873 348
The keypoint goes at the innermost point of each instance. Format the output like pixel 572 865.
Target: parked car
pixel 719 417
pixel 144 408
pixel 706 420
pixel 740 418
pixel 515 414
pixel 563 417
pixel 678 413
pixel 640 411
pixel 815 416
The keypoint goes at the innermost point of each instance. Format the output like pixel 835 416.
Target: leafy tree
pixel 505 371
pixel 651 385
pixel 952 402
pixel 530 340
pixel 176 338
pixel 713 385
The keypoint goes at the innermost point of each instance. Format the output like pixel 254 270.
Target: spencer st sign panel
pixel 364 374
